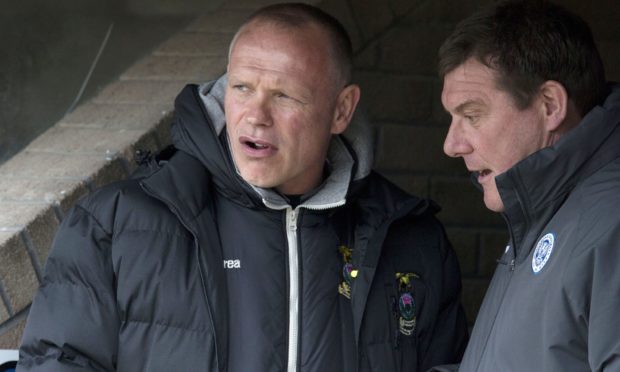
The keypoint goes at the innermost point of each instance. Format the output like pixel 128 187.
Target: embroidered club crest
pixel 406 303
pixel 348 272
pixel 543 250
pixel 407 320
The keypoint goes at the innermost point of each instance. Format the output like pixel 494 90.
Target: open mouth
pixel 256 145
pixel 483 175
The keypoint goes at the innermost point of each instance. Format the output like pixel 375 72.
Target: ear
pixel 345 107
pixel 554 103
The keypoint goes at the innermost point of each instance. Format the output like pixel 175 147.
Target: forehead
pixel 291 58
pixel 471 82
pixel 301 47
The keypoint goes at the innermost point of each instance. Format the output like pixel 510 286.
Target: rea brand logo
pixel 232 264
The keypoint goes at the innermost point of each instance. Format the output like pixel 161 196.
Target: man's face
pixel 280 103
pixel 488 130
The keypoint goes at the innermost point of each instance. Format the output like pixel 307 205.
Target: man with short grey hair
pixel 262 241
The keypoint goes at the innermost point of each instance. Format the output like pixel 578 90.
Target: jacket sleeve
pixel 450 334
pixel 73 321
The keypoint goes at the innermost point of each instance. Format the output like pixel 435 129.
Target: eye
pixel 472 119
pixel 282 95
pixel 240 87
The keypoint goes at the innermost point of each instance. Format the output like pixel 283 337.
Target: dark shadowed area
pixel 49 47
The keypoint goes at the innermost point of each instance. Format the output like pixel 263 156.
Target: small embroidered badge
pixel 406 303
pixel 348 272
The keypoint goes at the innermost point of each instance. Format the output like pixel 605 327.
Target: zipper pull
pixel 512 265
pixel 292 222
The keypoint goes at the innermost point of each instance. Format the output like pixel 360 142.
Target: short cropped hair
pixel 299 15
pixel 528 43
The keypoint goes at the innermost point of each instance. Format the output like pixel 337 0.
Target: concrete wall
pixel 48 48
pixel 396 43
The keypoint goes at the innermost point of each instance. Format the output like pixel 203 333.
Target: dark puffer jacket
pixel 186 267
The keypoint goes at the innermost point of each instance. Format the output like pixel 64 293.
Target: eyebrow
pixel 474 103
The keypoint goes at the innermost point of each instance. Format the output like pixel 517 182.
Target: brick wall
pixel 395 42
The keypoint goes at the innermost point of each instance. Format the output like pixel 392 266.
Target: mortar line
pixel 11 322
pixel 32 252
pixel 6 300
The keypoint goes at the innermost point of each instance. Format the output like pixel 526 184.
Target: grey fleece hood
pixel 350 155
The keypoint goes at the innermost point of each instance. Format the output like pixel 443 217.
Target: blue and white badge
pixel 542 252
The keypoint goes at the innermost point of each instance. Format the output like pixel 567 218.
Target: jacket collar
pixel 534 189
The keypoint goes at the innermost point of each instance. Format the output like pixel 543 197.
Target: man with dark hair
pixel 539 128
pixel 261 242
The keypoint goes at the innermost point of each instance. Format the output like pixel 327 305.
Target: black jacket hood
pixel 198 130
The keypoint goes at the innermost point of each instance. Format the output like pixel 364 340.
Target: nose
pixel 258 111
pixel 456 143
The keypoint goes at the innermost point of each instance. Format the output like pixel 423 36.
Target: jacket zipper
pixel 293 300
pixel 292 216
